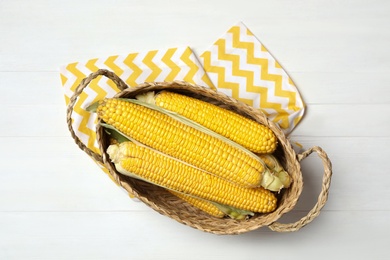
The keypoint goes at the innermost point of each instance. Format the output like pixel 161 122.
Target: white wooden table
pixel 55 203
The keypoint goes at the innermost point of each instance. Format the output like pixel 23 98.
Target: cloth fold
pixel 239 65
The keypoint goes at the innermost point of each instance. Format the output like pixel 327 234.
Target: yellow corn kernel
pixel 203 205
pixel 131 159
pixel 252 135
pixel 181 141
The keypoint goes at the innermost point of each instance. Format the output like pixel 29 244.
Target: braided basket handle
pixel 83 84
pixel 322 198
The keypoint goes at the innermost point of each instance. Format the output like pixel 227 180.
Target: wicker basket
pixel 169 205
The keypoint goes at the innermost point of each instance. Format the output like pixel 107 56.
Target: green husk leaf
pixel 118 135
pixel 233 212
pixel 93 107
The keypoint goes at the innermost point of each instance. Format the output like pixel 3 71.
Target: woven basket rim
pixel 173 207
pixel 188 89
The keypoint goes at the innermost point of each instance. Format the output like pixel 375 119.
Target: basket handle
pixel 322 198
pixel 83 84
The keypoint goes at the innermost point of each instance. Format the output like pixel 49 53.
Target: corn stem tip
pixel 148 97
pixel 271 181
pixel 113 152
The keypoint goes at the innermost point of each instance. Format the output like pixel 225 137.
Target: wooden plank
pixel 367 120
pixel 343 87
pixel 18 87
pixel 143 235
pixel 33 120
pixel 358 171
pixel 53 174
pixel 325 38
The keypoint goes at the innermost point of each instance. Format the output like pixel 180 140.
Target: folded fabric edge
pixel 302 112
pixel 178 63
pixel 216 62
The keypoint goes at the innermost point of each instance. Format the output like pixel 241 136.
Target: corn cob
pixel 201 204
pixel 272 163
pixel 142 162
pixel 248 133
pixel 165 134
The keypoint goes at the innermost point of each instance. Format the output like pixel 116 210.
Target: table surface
pixel 55 203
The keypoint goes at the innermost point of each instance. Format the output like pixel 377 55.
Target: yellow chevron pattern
pixel 167 60
pixel 240 66
pixel 236 64
pixel 134 68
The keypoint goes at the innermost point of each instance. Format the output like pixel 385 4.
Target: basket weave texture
pixel 169 205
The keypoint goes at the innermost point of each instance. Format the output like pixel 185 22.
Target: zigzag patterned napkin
pixel 134 68
pixel 236 64
pixel 241 67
